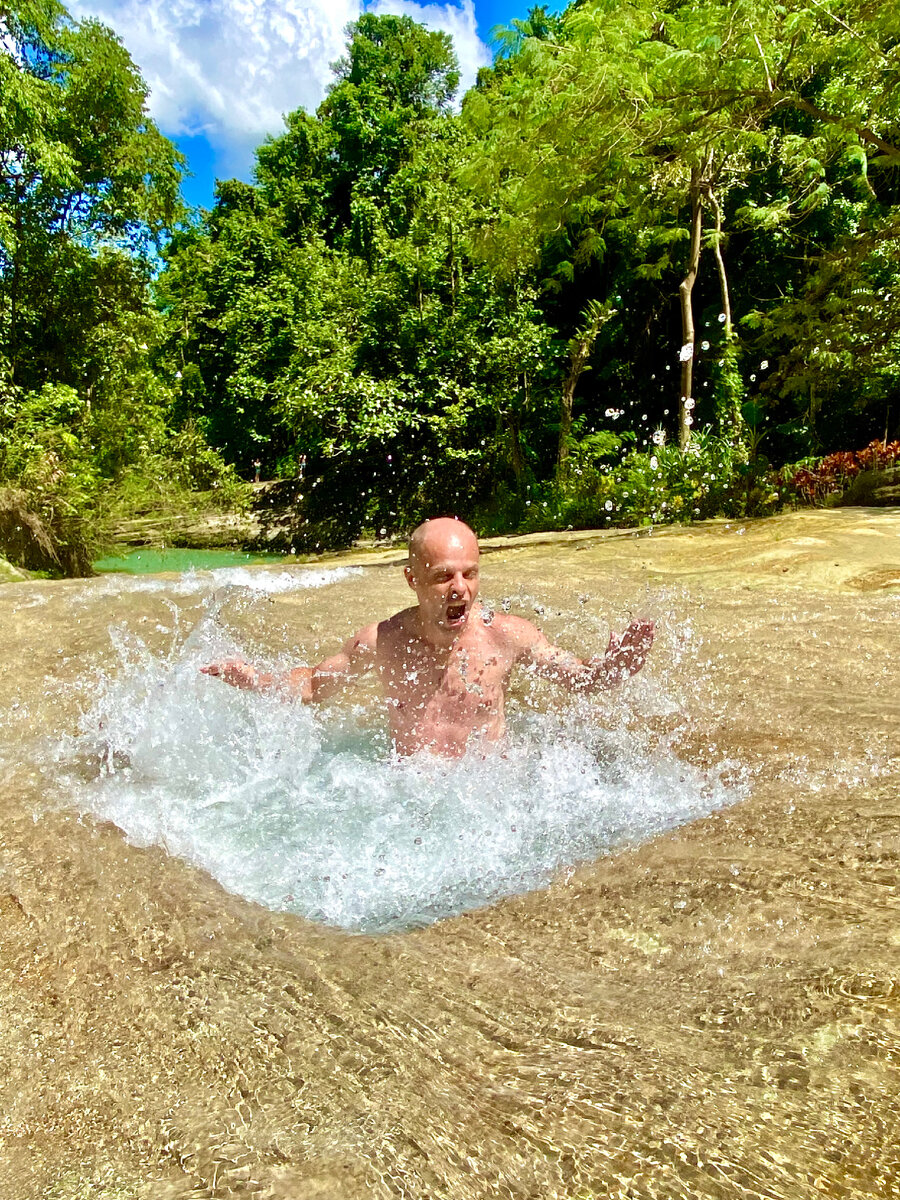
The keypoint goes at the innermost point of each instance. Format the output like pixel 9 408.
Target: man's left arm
pixel 625 655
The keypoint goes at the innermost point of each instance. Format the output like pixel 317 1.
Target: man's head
pixel 443 572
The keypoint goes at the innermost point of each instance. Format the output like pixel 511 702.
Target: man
pixel 444 664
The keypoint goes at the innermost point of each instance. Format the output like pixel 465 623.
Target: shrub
pixel 660 485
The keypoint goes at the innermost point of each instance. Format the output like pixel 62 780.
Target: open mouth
pixel 456 613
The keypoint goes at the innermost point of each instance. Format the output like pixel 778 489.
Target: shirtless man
pixel 444 664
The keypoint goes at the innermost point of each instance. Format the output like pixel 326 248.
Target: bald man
pixel 444 664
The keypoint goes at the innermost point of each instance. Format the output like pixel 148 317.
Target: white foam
pixel 260 579
pixel 306 811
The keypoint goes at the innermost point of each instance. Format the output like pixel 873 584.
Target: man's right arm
pixel 307 684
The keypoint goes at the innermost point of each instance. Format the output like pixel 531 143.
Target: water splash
pixel 194 583
pixel 306 811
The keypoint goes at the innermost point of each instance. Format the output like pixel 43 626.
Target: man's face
pixel 443 572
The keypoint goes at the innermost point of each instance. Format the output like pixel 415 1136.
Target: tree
pixel 81 167
pixel 88 189
pixel 642 113
pixel 333 311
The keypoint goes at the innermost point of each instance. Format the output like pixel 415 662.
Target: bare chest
pixel 467 679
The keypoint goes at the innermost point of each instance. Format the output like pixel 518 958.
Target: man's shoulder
pixel 365 639
pixel 394 626
pixel 513 631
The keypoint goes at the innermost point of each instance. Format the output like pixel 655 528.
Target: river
pixel 230 961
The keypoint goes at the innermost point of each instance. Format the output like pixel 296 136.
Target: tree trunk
pixel 720 264
pixel 14 286
pixel 580 348
pixel 565 419
pixel 514 425
pixel 685 403
pixel 729 388
pixel 515 452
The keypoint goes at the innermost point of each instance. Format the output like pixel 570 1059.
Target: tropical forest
pixel 645 270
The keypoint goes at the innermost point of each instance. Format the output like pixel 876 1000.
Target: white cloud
pixel 228 70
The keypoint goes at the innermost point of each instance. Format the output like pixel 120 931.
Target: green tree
pixel 88 189
pixel 651 116
pixel 81 167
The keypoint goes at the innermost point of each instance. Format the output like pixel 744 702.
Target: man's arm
pixel 308 684
pixel 625 655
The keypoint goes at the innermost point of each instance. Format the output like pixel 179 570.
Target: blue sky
pixel 222 72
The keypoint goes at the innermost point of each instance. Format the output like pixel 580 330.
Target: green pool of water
pixel 147 561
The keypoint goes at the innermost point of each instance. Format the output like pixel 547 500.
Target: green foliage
pixel 400 299
pixel 41 450
pixel 361 335
pixel 88 186
pixel 649 224
pixel 641 487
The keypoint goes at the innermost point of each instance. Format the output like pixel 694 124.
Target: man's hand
pixel 235 671
pixel 625 654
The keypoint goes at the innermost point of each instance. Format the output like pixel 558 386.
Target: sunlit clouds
pixel 228 70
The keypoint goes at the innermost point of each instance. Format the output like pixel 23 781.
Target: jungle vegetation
pixel 649 259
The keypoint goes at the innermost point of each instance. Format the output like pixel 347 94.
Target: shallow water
pixel 148 560
pixel 709 1008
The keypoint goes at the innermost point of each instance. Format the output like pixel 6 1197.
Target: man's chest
pixel 469 675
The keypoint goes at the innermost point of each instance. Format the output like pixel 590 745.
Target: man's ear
pixel 410 578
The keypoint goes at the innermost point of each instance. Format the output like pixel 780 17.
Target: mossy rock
pixel 11 574
pixel 31 540
pixel 874 489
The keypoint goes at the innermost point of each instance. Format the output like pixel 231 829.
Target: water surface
pixel 147 560
pixel 711 1013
